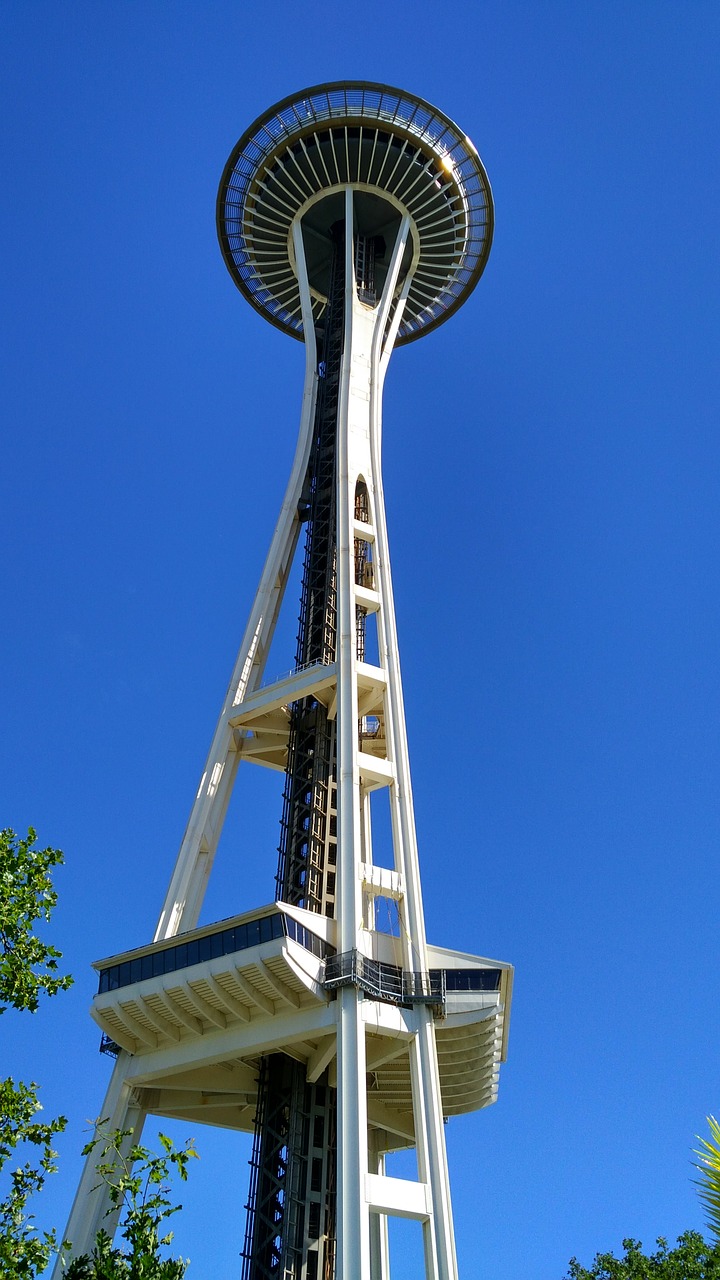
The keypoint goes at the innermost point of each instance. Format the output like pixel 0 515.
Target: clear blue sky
pixel 552 473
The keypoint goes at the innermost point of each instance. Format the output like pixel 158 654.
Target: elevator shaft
pixel 307 854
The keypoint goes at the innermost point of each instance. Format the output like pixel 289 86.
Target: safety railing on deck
pixel 384 981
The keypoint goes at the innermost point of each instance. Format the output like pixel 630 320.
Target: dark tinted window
pixel 224 942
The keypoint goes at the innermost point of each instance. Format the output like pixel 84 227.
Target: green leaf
pixel 27 965
pixel 138 1180
pixel 708 1184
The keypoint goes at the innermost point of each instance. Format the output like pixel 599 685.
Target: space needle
pixel 356 218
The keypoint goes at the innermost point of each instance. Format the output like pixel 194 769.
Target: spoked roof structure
pixel 399 154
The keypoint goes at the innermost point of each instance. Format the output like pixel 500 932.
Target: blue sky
pixel 551 463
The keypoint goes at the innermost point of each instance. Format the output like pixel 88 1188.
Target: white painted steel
pixel 365 362
pixel 194 862
pixel 197 851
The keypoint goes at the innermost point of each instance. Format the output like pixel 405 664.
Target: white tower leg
pixel 186 891
pixel 365 361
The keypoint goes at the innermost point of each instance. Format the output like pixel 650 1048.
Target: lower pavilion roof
pixel 196 1013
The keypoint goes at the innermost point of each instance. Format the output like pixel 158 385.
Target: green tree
pixel 708 1183
pixel 28 967
pixel 22 1251
pixel 692 1259
pixel 138 1183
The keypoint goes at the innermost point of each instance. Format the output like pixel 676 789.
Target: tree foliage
pixel 22 1251
pixel 137 1179
pixel 27 966
pixel 708 1184
pixel 138 1184
pixel 692 1259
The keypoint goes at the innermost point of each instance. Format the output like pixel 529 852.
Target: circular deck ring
pixel 382 142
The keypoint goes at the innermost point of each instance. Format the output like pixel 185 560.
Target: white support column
pixel 197 851
pixel 194 862
pixel 353 1225
pixel 379 1243
pixel 437 1164
pixel 439 1238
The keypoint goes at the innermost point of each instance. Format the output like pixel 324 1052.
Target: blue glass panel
pixel 472 979
pixel 224 942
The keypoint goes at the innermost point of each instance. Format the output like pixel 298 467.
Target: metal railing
pixel 294 671
pixel 384 981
